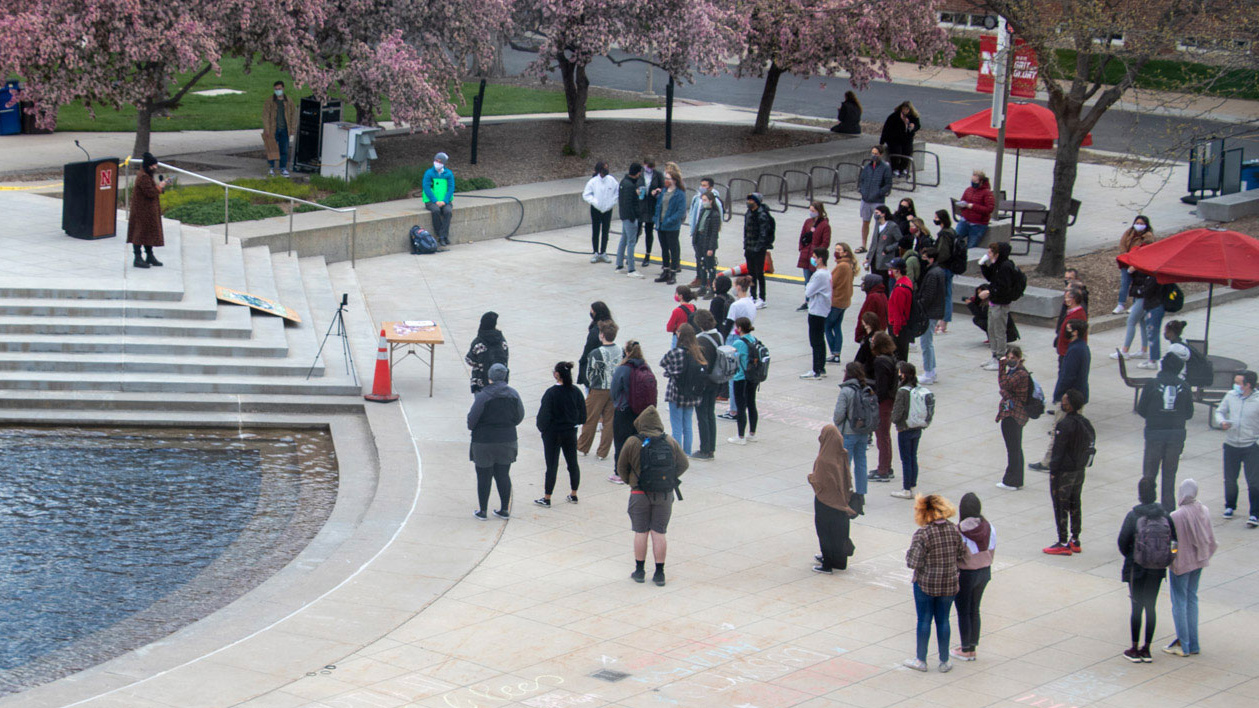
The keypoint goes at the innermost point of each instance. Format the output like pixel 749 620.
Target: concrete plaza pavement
pixel 743 621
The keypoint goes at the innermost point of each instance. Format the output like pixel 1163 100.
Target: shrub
pixel 209 213
pixel 275 185
pixel 192 194
pixel 336 200
pixel 472 184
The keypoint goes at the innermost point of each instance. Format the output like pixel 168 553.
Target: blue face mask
pixel 1237 389
pixel 813 261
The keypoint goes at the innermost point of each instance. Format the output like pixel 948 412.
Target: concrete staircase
pixel 145 338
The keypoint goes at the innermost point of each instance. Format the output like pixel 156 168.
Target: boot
pixel 139 261
pixel 663 277
pixel 646 259
pixel 150 258
pixel 693 284
pixel 673 278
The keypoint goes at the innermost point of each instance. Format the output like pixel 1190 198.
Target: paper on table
pixel 420 323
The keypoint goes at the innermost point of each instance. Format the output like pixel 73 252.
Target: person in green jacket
pixel 439 192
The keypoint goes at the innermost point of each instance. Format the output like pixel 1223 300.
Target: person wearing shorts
pixel 649 512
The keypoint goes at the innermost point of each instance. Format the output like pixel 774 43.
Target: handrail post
pixel 354 240
pixel 226 217
pixel 126 193
pixel 292 208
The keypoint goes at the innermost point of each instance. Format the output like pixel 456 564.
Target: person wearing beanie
pixel 439 193
pixel 1166 403
pixel 973 573
pixel 758 239
pixel 629 202
pixel 144 222
pixel 489 347
pixel 495 413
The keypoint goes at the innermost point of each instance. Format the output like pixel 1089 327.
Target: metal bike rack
pixel 808 187
pixel 848 172
pixel 738 199
pixel 762 183
pixel 822 176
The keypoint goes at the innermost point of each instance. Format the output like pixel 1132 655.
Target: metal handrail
pixel 227 202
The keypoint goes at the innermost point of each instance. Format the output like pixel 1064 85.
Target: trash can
pixel 1250 174
pixel 10 115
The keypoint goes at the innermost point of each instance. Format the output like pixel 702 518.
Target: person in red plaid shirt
pixel 933 555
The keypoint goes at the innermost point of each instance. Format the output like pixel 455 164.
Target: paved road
pixel 1117 131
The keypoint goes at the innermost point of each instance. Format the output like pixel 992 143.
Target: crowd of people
pixel 713 357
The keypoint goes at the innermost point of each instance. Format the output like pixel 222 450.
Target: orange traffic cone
pixel 382 384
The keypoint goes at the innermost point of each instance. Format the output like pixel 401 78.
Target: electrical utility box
pixel 311 118
pixel 348 149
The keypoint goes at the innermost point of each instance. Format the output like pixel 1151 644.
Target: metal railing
pixel 823 176
pixel 227 221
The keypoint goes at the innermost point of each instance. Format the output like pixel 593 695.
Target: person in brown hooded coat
pixel 832 489
pixel 144 222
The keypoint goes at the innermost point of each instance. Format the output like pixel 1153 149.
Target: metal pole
pixel 1001 100
pixel 668 115
pixel 126 194
pixel 292 208
pixel 476 117
pixel 354 240
pixel 1206 338
pixel 226 219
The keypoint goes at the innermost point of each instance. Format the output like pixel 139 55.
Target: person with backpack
pixel 911 412
pixel 1155 296
pixel 758 239
pixel 687 371
pixel 719 306
pixel 1176 345
pixel 1238 416
pixel 885 381
pixel 744 388
pixel 633 386
pixel 705 232
pixel 815 234
pixel 602 193
pixel 899 306
pixel 599 313
pixel 973 573
pixel 867 326
pixel 934 554
pixel 562 409
pixel 1005 285
pixel 1072 452
pixel 1015 383
pixel 932 291
pixel 488 347
pixel 817 295
pixel 952 259
pixel 723 363
pixel 1141 286
pixel 742 306
pixel 600 364
pixel 438 186
pixel 1166 403
pixel 842 275
pixel 856 416
pixel 1145 540
pixel 629 199
pixel 831 480
pixel 875 290
pixel 682 314
pixel 1195 544
pixel 650 464
pixel 1073 373
pixel 495 413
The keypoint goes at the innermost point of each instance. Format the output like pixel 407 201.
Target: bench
pixel 1230 207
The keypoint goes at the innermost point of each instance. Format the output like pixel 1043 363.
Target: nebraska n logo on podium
pixel 107 179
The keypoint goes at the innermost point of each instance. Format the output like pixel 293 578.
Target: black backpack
pixel 757 369
pixel 693 380
pixel 1173 298
pixel 422 242
pixel 916 325
pixel 957 257
pixel 657 468
pixel 1199 371
pixel 1019 284
pixel 493 355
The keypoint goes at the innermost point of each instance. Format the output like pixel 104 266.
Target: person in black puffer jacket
pixel 758 239
pixel 563 409
pixel 495 413
pixel 1003 278
pixel 599 313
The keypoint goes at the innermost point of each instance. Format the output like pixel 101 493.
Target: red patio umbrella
pixel 1027 125
pixel 1215 256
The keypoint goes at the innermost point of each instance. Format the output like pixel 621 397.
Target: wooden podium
pixel 89 208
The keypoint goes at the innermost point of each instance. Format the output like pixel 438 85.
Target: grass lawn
pixel 243 111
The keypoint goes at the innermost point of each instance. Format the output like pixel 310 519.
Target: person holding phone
pixel 144 223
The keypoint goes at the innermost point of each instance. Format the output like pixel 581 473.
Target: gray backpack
pixel 726 364
pixel 1153 546
pixel 863 410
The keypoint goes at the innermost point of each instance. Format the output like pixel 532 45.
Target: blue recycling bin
pixel 1250 174
pixel 10 116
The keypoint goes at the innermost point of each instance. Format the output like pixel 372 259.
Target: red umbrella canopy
pixel 1027 126
pixel 1200 256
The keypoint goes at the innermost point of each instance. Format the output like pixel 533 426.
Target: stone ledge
pixel 1230 207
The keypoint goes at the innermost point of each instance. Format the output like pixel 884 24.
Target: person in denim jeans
pixel 1195 544
pixel 628 199
pixel 279 121
pixel 934 554
pixel 855 443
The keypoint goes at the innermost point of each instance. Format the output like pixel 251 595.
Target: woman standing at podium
pixel 144 227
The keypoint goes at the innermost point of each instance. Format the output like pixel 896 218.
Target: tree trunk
pixel 494 68
pixel 576 89
pixel 767 99
pixel 144 127
pixel 1066 165
pixel 364 114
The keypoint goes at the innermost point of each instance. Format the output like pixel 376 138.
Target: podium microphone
pixel 76 144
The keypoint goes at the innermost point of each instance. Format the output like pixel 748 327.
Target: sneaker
pixel 1145 655
pixel 638 576
pixel 1174 649
pixel 990 365
pixel 634 274
pixel 803 307
pixel 1148 365
pixel 571 498
pixel 737 441
pixel 1074 544
pixel 810 375
pixel 1003 485
pixel 945 667
pixel 1057 549
pixel 603 258
pixel 957 653
pixel 822 569
pixel 619 268
pixel 728 416
pixel 818 557
pixel 271 173
pixel 1228 513
pixel 721 398
pixel 1119 310
pixel 879 477
pixel 916 665
pixel 760 304
pixel 834 359
pixel 502 514
pixel 1116 355
pixel 903 494
pixel 703 456
pixel 1137 355
pixel 543 502
pixel 658 577
pixel 615 479
pixel 1252 522
pixel 284 173
pixel 594 258
pixel 927 379
pixel 480 515
pixel 1038 466
pixel 1133 655
pixel 752 437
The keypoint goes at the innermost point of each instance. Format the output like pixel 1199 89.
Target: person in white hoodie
pixel 601 193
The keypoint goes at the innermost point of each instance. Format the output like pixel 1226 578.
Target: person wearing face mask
pixel 815 234
pixel 439 192
pixel 904 214
pixel 1238 416
pixel 952 262
pixel 670 210
pixel 650 185
pixel 1135 236
pixel 898 135
pixel 977 205
pixel 817 295
pixel 685 297
pixel 842 274
pixel 144 223
pixel 279 120
pixel 874 183
pixel 704 239
pixel 693 214
pixel 885 245
pixel 601 193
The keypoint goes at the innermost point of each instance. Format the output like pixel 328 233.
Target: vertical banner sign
pixel 1025 67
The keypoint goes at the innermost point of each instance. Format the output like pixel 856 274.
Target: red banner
pixel 1025 67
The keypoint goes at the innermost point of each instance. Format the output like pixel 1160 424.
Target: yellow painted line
pixel 5 188
pixel 777 277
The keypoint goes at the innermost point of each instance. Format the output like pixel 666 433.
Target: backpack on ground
pixel 922 408
pixel 642 388
pixel 1199 371
pixel 1173 298
pixel 957 258
pixel 863 410
pixel 1153 546
pixel 693 380
pixel 657 468
pixel 725 364
pixel 916 324
pixel 1019 285
pixel 757 369
pixel 422 242
pixel 1034 406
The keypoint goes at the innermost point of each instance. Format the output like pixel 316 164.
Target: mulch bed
pixel 1100 273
